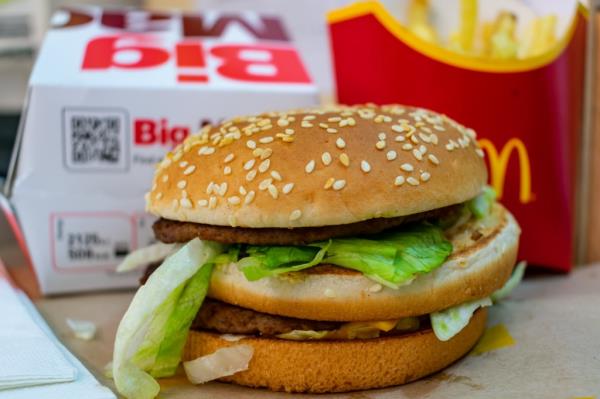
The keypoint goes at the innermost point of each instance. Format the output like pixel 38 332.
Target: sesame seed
pixel 391 155
pixel 380 145
pixel 339 184
pixel 251 144
pixel 251 175
pixel 412 181
pixel 229 158
pixel 289 131
pixel 183 164
pixel 287 139
pixel 287 188
pixel 189 170
pixel 375 288
pixel 222 189
pixel 310 166
pixel 158 196
pixel 381 136
pixel 264 165
pixel 332 130
pixel 165 178
pixel 400 138
pixel 227 170
pixel 242 190
pixel 449 147
pixel 266 153
pixel 249 164
pixel 399 181
pixel 323 125
pixel 426 138
pixel 309 117
pixel 210 187
pixel 265 183
pixel 414 139
pixel 295 214
pixel 398 128
pixel 266 140
pixel 433 159
pixel 422 149
pixel 329 183
pixel 334 119
pixel 181 184
pixel 425 176
pixel 185 202
pixel 249 197
pixel 407 167
pixel 439 128
pixel 434 138
pixel 326 158
pixel 329 293
pixel 177 156
pixel 364 166
pixel 407 146
pixel 275 175
pixel 306 124
pixel 212 202
pixel 203 203
pixel 234 200
pixel 340 143
pixel 282 122
pixel 417 154
pixel 273 191
pixel 344 159
pixel 206 150
pixel 480 152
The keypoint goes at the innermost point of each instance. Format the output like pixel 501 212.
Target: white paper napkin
pixel 33 363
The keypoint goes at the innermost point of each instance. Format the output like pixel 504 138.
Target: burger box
pixel 111 92
pixel 529 113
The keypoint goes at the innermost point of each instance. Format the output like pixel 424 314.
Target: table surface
pixel 542 342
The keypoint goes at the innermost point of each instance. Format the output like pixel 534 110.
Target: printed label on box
pixel 90 241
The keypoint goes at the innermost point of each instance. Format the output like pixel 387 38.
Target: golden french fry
pixel 462 41
pixel 418 21
pixel 540 36
pixel 502 42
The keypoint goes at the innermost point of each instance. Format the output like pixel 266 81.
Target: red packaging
pixel 527 112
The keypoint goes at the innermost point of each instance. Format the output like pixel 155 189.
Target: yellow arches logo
pixel 499 162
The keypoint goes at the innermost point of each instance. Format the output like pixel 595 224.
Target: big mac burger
pixel 316 250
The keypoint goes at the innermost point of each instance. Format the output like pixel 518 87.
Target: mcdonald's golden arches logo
pixel 498 162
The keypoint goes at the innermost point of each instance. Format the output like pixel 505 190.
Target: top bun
pixel 319 167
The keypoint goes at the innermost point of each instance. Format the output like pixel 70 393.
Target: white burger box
pixel 111 92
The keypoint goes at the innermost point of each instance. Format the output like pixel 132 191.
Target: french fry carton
pixel 111 92
pixel 522 92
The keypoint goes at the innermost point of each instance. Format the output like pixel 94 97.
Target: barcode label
pixel 95 139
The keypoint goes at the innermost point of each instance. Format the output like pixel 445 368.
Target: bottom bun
pixel 341 366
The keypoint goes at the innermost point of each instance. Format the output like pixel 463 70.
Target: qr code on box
pixel 96 139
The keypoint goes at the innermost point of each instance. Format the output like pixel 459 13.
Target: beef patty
pixel 229 319
pixel 171 231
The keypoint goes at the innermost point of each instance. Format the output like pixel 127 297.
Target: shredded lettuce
pixel 481 205
pixel 392 259
pixel 512 282
pixel 144 256
pixel 267 261
pixel 449 322
pixel 152 332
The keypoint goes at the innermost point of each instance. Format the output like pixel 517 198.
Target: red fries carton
pixel 111 92
pixel 519 84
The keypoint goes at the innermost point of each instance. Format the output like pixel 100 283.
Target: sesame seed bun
pixel 474 270
pixel 319 167
pixel 340 366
